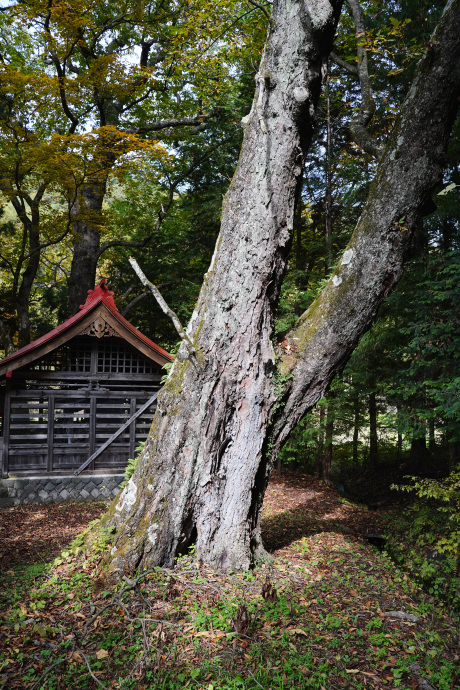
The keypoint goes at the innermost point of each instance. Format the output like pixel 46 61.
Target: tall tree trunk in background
pixel 329 440
pixel 418 448
pixel 400 439
pixel 300 253
pixel 226 409
pixel 454 458
pixel 28 263
pixel 431 436
pixel 25 288
pixel 373 437
pixel 355 427
pixel 86 214
pixel 6 340
pixel 85 203
pixel 320 452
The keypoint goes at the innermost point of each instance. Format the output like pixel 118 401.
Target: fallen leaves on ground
pixel 314 617
pixel 33 533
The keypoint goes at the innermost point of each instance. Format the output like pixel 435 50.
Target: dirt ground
pixel 295 506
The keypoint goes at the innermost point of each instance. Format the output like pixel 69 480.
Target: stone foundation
pixel 50 489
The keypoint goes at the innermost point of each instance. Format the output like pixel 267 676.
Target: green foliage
pixel 425 537
pixel 132 464
pixel 442 498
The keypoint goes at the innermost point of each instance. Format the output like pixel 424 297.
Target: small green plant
pixel 132 463
pixel 168 366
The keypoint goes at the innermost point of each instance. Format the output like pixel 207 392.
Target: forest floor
pixel 328 612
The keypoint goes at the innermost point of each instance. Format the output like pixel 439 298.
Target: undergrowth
pixel 415 539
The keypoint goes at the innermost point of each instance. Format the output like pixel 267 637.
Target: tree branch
pixel 163 306
pixel 170 123
pixel 347 66
pixel 133 303
pixel 260 7
pixel 357 128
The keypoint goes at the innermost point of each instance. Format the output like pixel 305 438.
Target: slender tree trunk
pixel 373 437
pixel 225 410
pixel 328 449
pixel 6 340
pixel 400 440
pixel 279 466
pixel 453 454
pixel 418 450
pixel 320 453
pixel 25 289
pixel 355 428
pixel 28 262
pixel 431 436
pixel 300 254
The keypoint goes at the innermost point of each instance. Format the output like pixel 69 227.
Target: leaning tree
pixel 231 400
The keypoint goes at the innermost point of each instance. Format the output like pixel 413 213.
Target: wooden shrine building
pixel 67 393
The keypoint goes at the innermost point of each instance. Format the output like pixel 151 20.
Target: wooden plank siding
pixel 63 407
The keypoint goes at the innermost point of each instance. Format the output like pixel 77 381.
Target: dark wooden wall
pixel 62 408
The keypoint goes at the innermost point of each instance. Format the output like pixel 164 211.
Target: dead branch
pixel 163 305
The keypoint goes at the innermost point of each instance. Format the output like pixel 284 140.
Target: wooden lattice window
pixel 73 356
pixel 115 356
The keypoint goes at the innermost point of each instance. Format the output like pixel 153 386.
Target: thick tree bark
pixel 210 431
pixel 211 448
pixel 86 214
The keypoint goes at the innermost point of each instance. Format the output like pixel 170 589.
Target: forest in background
pixel 115 145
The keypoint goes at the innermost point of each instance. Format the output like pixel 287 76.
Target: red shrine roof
pixel 100 300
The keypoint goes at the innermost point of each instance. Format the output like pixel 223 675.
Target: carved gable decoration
pixel 100 328
pixel 98 317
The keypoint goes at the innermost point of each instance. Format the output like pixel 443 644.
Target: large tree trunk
pixel 86 215
pixel 201 476
pixel 225 410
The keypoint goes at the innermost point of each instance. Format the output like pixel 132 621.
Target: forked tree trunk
pixel 224 411
pixel 203 473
